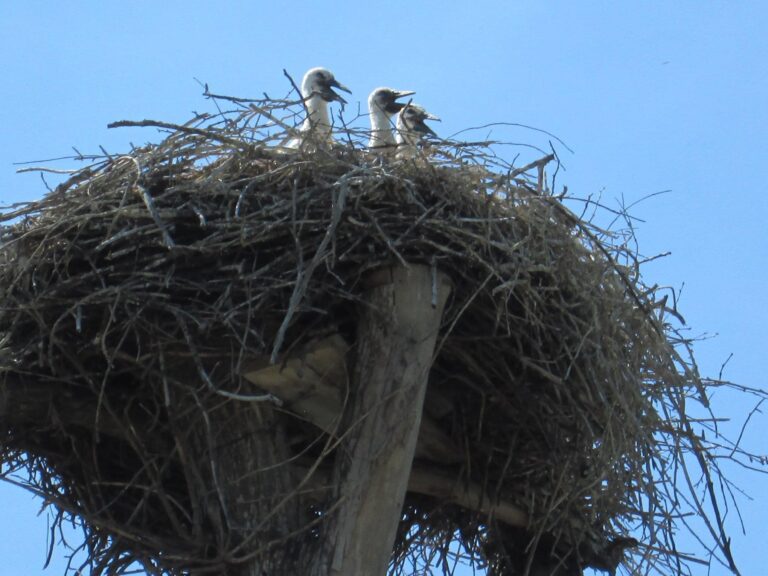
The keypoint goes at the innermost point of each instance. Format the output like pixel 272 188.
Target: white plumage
pixel 411 128
pixel 317 91
pixel 382 106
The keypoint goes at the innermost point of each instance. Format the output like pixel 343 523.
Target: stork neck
pixel 318 119
pixel 381 128
pixel 406 136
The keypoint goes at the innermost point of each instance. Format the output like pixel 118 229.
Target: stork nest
pixel 162 275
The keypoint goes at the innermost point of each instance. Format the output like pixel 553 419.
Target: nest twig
pixel 169 269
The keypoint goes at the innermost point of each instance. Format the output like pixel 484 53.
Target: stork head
pixel 386 99
pixel 321 82
pixel 413 118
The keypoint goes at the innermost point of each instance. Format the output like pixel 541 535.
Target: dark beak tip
pixel 424 129
pixel 337 84
pixel 394 107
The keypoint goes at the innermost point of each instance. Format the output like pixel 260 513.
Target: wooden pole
pixel 396 335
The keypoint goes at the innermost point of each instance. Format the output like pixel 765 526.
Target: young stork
pixel 317 90
pixel 411 128
pixel 382 106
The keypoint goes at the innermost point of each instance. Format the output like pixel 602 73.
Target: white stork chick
pixel 317 91
pixel 382 106
pixel 411 128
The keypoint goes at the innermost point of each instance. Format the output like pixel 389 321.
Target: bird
pixel 382 106
pixel 317 91
pixel 411 128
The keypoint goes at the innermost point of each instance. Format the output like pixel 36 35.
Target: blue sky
pixel 650 97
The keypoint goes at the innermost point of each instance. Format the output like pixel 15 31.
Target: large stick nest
pixel 170 270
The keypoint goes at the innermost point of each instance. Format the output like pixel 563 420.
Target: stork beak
pixel 329 95
pixel 395 107
pixel 424 129
pixel 421 125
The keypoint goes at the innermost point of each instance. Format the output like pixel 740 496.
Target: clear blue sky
pixel 650 96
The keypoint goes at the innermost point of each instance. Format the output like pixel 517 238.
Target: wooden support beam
pixel 397 330
pixel 468 495
pixel 28 404
pixel 311 383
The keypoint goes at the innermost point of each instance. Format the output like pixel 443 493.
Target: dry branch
pixel 149 299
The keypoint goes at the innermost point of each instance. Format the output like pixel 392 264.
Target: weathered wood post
pixel 396 335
